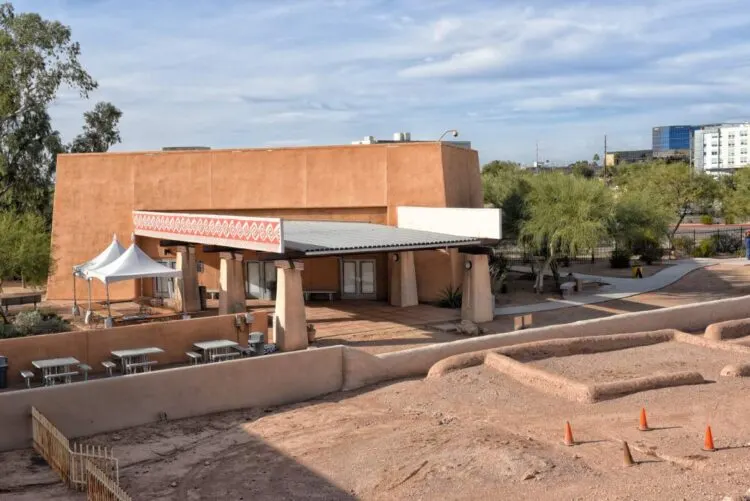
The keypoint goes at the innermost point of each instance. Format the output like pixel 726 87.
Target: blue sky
pixel 506 74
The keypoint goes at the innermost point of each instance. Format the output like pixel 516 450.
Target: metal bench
pixel 223 356
pixel 194 357
pixel 27 376
pixel 308 294
pixel 566 288
pixel 108 365
pixel 244 351
pixel 85 368
pixel 50 379
pixel 146 366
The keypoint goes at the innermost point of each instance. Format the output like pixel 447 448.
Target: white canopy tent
pixel 112 252
pixel 131 265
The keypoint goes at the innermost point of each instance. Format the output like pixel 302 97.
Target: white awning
pixel 108 255
pixel 132 264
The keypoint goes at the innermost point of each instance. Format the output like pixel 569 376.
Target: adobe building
pixel 397 222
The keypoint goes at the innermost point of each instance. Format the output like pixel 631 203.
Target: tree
pixel 24 247
pixel 596 159
pixel 100 130
pixel 583 169
pixel 673 186
pixel 736 191
pixel 565 215
pixel 637 220
pixel 506 187
pixel 37 57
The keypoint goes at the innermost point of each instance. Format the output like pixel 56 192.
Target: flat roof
pixel 328 238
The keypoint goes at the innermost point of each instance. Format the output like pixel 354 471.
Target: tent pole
pixel 108 323
pixel 75 311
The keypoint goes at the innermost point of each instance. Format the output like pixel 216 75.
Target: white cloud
pixel 255 73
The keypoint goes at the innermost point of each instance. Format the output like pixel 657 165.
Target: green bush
pixel 37 322
pixel 451 298
pixel 620 259
pixel 648 250
pixel 706 248
pixel 8 331
pixel 727 243
pixel 729 219
pixel 706 219
pixel 684 245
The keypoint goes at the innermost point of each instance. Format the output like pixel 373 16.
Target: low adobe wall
pixel 110 404
pixel 94 346
pixel 731 329
pixel 363 369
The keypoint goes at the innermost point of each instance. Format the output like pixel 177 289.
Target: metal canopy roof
pixel 323 238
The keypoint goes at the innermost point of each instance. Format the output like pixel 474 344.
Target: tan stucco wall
pixel 94 346
pixel 95 194
pixel 110 404
pixel 115 403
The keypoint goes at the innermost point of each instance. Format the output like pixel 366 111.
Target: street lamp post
pixel 453 132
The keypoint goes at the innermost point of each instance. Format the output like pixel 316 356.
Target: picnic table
pixel 132 360
pixel 55 369
pixel 217 350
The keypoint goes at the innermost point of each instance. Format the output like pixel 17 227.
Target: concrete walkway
pixel 618 288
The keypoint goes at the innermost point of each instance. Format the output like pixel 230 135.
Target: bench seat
pixel 224 356
pixel 308 294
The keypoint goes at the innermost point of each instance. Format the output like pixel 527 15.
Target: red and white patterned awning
pixel 240 232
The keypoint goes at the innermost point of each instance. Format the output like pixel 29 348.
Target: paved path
pixel 620 288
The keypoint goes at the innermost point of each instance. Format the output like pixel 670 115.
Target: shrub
pixel 684 245
pixel 706 219
pixel 450 298
pixel 8 331
pixel 729 219
pixel 36 322
pixel 706 248
pixel 620 259
pixel 648 250
pixel 727 243
pixel 26 321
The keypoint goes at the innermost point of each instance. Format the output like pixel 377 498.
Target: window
pixel 743 151
pixel 743 133
pixel 731 135
pixel 731 161
pixel 731 145
pixel 743 142
pixel 743 160
pixel 201 267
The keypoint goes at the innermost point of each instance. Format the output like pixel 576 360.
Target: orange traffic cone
pixel 627 457
pixel 643 423
pixel 708 443
pixel 568 440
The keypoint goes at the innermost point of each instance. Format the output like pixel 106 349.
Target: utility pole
pixel 605 157
pixel 536 164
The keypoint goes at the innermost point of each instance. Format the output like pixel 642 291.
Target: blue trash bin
pixel 747 247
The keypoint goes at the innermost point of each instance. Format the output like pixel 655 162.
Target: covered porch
pixel 290 262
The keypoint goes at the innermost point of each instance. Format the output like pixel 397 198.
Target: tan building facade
pixel 96 195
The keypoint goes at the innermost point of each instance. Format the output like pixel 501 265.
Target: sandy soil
pixel 470 435
pixel 641 361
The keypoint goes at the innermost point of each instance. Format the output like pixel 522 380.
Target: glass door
pixel 358 279
pixel 261 280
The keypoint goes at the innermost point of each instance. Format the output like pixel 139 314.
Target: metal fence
pixel 74 465
pixel 515 254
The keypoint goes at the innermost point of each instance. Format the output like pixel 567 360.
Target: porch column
pixel 477 303
pixel 403 282
pixel 226 282
pixel 289 321
pixel 238 292
pixel 187 264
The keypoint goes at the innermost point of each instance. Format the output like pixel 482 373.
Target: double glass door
pixel 261 280
pixel 358 279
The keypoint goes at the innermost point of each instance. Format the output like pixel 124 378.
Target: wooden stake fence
pixel 84 467
pixel 99 487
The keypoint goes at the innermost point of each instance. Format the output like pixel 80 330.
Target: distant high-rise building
pixel 722 149
pixel 672 141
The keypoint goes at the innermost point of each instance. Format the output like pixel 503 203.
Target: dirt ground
pixel 472 434
pixel 641 361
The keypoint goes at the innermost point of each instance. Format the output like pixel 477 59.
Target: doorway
pixel 261 280
pixel 358 279
pixel 164 287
